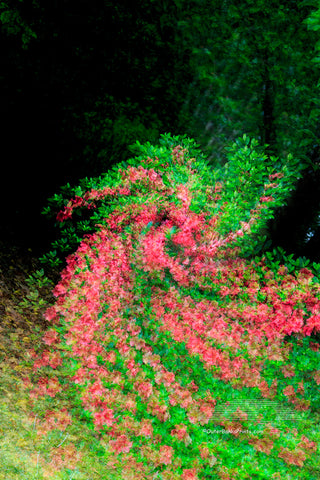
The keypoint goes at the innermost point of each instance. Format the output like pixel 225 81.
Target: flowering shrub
pixel 165 332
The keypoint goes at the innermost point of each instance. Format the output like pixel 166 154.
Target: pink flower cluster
pixel 100 305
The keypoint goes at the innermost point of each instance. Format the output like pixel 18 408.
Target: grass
pixel 26 454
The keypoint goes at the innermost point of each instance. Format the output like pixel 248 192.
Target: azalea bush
pixel 185 347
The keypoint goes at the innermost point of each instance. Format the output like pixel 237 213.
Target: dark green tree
pixel 252 64
pixel 254 73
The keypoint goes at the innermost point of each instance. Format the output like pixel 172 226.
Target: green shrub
pixel 171 340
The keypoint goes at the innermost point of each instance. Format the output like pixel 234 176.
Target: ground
pixel 18 325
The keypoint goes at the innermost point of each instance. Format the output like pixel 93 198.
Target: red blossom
pixel 289 391
pixel 313 323
pixel 144 389
pixel 266 199
pixel 204 452
pixel 105 417
pixel 316 376
pixel 166 453
pixel 293 457
pixel 288 371
pixel 180 431
pixel 189 474
pixel 307 444
pixel 51 337
pixel 121 444
pixel 264 445
pixel 146 428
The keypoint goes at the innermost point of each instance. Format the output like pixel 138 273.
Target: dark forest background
pixel 81 81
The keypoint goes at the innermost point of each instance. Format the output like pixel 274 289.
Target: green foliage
pixel 255 75
pixel 107 131
pixel 313 23
pixel 246 174
pixel 38 280
pixel 245 177
pixel 13 24
pixel 39 294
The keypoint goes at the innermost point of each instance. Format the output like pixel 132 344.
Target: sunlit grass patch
pixel 27 454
